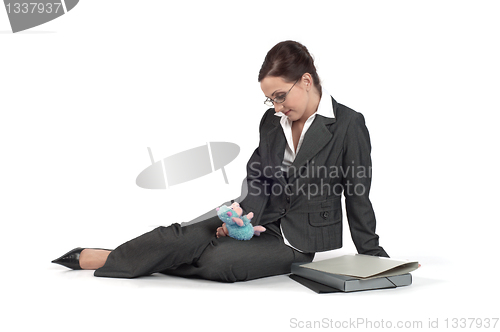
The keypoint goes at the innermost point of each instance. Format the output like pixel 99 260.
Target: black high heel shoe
pixel 70 259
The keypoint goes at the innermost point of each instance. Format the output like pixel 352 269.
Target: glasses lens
pixel 279 99
pixel 268 102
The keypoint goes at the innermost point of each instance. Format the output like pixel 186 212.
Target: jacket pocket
pixel 326 217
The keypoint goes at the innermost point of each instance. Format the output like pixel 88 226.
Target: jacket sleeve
pixel 357 181
pixel 255 187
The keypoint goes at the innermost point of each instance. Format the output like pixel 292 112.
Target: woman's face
pixel 297 103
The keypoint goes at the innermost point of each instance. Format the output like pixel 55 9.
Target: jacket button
pixel 283 211
pixel 325 214
pixel 288 199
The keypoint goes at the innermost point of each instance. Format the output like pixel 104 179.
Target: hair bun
pixel 289 60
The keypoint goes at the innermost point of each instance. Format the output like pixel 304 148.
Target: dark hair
pixel 289 60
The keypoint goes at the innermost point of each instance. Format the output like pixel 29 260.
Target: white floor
pixel 37 294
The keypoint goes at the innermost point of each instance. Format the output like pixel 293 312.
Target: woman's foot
pixel 92 259
pixel 82 258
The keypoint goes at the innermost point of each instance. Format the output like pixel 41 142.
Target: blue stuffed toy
pixel 238 227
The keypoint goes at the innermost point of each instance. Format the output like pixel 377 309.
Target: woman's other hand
pixel 222 231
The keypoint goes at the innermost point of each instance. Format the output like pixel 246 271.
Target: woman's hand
pixel 222 231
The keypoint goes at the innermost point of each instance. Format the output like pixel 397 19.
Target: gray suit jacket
pixel 334 158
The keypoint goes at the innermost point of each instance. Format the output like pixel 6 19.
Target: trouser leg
pixel 229 260
pixel 162 248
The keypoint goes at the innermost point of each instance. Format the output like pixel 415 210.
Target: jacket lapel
pixel 316 137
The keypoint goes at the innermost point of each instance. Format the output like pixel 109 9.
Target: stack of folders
pixel 350 273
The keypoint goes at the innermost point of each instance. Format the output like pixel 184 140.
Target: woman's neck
pixel 312 105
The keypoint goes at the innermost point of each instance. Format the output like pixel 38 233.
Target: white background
pixel 83 96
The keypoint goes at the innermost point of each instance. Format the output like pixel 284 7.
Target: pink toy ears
pixel 229 213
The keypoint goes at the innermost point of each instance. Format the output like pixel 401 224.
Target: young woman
pixel 311 151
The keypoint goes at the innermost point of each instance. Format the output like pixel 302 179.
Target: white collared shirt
pixel 325 108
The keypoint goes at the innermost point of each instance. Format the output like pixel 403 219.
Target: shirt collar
pixel 325 107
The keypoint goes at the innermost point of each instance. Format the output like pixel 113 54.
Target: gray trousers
pixel 195 251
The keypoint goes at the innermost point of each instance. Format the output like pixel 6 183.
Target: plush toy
pixel 238 227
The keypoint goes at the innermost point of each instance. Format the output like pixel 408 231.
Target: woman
pixel 312 149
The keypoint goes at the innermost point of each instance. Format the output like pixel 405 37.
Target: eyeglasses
pixel 279 99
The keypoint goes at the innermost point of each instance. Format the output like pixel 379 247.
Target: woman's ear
pixel 307 81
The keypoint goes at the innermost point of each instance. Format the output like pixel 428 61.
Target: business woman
pixel 312 150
